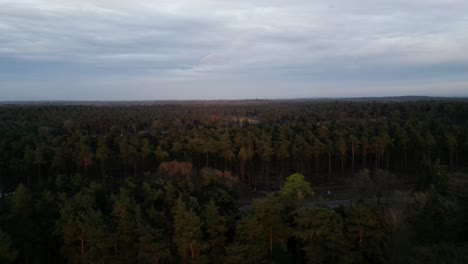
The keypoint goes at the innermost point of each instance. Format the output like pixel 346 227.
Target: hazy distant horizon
pixel 402 98
pixel 100 50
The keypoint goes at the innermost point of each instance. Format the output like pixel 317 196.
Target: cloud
pixel 179 48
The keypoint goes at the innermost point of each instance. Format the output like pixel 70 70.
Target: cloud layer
pixel 207 49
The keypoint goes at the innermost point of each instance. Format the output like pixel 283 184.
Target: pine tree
pixel 81 226
pixel 7 253
pixel 187 231
pixel 321 233
pixel 268 213
pixel 365 232
pixel 102 154
pixel 215 228
pixel 153 246
pixel 22 223
pixel 124 220
pixel 243 157
pixel 250 246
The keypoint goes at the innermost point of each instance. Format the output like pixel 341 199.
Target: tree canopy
pixel 207 182
pixel 296 188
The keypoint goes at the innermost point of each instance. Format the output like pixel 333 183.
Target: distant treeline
pixel 260 144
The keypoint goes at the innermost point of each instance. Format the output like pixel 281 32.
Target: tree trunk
pixel 361 235
pixel 85 163
pixel 271 244
pixel 39 173
pixel 429 157
pixel 101 164
pixel 262 169
pixel 388 159
pixel 451 158
pixel 134 169
pixel 125 167
pixel 376 160
pixel 342 163
pixel 317 166
pixel 251 167
pixel 191 251
pixel 282 172
pixel 364 158
pixel 82 243
pixel 406 159
pixel 242 170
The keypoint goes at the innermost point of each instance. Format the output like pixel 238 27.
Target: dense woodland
pixel 161 183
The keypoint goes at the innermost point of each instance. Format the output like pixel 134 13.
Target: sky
pixel 242 49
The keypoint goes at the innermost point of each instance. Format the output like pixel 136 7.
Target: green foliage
pixel 127 184
pixel 7 253
pixel 439 254
pixel 296 188
pixel 385 183
pixel 362 185
pixel 215 226
pixel 321 233
pixel 366 233
pixel 83 231
pixel 251 245
pixel 187 232
pixel 441 179
pixel 124 227
pixel 268 212
pixel 431 216
pixel 22 224
pixel 153 245
pixel 366 184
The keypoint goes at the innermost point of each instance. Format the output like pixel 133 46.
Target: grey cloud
pixel 203 44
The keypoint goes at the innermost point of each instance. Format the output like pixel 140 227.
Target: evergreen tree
pixel 7 253
pixel 124 227
pixel 215 228
pixel 153 246
pixel 22 223
pixel 250 246
pixel 268 213
pixel 321 233
pixel 82 228
pixel 365 233
pixel 187 232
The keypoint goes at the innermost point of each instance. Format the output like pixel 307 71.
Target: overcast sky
pixel 211 49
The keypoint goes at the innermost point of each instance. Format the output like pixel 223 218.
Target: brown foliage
pixel 175 167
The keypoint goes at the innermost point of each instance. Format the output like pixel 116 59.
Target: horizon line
pixel 240 99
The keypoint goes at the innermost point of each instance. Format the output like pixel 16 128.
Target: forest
pixel 235 182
